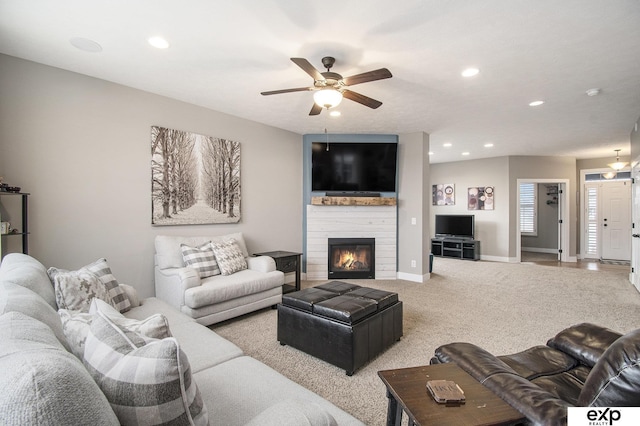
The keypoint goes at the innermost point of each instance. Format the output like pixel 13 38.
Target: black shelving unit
pixel 23 231
pixel 456 248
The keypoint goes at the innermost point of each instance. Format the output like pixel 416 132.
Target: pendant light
pixel 618 165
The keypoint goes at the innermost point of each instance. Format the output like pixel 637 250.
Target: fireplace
pixel 352 258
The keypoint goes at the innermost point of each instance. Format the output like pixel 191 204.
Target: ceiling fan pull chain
pixel 325 132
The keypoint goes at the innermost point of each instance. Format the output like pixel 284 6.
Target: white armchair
pixel 219 297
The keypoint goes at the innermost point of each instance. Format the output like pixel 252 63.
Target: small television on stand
pixel 460 226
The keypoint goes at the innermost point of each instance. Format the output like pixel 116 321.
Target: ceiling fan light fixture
pixel 327 98
pixel 618 165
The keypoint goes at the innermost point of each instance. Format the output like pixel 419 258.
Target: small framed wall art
pixel 480 198
pixel 443 194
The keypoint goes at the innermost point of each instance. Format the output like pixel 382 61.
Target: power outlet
pixel 413 263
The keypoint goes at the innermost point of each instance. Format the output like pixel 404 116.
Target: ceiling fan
pixel 330 87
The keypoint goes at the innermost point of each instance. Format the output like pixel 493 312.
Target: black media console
pixel 458 248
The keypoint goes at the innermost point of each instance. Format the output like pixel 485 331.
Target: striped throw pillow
pixel 119 299
pixel 201 259
pixel 146 381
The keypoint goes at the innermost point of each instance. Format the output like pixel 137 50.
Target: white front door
pixel 635 241
pixel 616 220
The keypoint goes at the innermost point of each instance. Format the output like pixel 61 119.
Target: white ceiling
pixel 224 53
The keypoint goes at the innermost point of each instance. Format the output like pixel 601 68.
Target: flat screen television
pixel 353 167
pixel 455 225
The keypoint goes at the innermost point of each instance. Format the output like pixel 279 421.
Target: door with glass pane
pixel 616 220
pixel 607 219
pixel 635 241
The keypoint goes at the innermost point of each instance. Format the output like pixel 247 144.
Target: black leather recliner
pixel 583 365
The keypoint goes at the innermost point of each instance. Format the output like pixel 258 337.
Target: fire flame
pixel 348 259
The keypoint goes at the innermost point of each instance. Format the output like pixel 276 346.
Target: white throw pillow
pixel 229 256
pixel 145 382
pixel 75 289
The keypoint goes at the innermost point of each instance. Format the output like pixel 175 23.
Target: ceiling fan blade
pixel 380 74
pixel 361 99
pixel 315 109
pixel 297 89
pixel 308 68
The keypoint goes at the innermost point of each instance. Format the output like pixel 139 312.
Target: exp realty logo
pixel 603 416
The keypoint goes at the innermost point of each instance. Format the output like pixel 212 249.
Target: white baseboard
pixel 498 259
pixel 540 250
pixel 413 277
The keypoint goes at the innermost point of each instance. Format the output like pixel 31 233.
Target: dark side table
pixel 286 261
pixel 407 392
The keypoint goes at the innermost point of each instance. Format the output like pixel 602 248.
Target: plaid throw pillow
pixel 201 259
pixel 146 381
pixel 229 257
pixel 119 299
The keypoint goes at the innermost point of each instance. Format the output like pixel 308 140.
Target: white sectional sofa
pixel 220 297
pixel 46 384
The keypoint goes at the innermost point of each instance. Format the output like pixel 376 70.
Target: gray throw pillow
pixel 76 324
pixel 146 381
pixel 201 259
pixel 119 299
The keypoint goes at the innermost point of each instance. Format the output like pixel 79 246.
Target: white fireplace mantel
pixel 326 221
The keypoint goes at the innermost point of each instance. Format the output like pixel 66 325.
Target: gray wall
pixel 547 237
pixel 491 226
pixel 537 167
pixel 496 229
pixel 81 147
pixel 597 163
pixel 635 141
pixel 414 198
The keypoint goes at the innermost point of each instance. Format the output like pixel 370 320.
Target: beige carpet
pixel 502 307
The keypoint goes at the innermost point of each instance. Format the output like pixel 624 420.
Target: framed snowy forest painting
pixel 195 179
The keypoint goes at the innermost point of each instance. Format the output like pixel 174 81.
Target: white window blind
pixel 591 221
pixel 528 208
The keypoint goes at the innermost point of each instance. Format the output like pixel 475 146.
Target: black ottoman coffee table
pixel 343 324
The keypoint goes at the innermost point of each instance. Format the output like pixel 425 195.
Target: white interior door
pixel 616 220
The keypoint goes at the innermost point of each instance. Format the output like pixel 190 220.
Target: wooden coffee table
pixel 407 391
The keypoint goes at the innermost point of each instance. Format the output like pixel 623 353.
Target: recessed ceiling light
pixel 430 152
pixel 85 44
pixel 470 72
pixel 536 103
pixel 158 42
pixel 593 92
pixel 335 113
pixel 465 153
pixel 447 145
pixel 488 145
